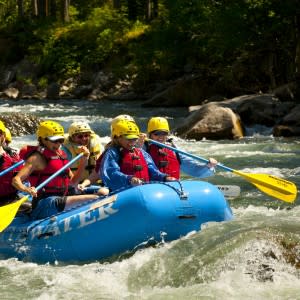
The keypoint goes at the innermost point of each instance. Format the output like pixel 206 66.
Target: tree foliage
pixel 159 38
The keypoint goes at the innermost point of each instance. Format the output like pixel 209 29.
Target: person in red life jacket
pixel 167 160
pixel 123 164
pixel 94 176
pixel 40 163
pixel 8 158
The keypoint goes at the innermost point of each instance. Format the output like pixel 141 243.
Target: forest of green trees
pixel 250 43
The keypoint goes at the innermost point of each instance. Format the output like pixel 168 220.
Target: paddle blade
pixel 273 186
pixel 8 212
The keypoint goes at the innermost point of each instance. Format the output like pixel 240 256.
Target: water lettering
pixel 90 216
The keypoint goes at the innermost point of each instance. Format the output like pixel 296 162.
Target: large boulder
pixel 263 109
pixel 258 109
pixel 289 125
pixel 28 91
pixel 53 90
pixel 289 92
pixel 212 122
pixel 11 92
pixel 7 75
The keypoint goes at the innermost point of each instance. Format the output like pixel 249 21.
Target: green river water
pixel 254 256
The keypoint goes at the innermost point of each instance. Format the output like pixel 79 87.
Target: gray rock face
pixel 212 122
pixel 20 124
pixel 289 125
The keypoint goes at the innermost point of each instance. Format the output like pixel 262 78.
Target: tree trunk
pixel 116 4
pixel 66 15
pixel 53 9
pixel 151 9
pixel 132 9
pixel 155 9
pixel 148 10
pixel 297 51
pixel 42 8
pixel 34 6
pixel 20 9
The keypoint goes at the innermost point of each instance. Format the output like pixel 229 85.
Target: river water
pixel 254 256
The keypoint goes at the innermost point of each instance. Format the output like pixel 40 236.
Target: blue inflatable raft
pixel 118 223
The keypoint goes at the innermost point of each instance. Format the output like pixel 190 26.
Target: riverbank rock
pixel 271 110
pixel 20 124
pixel 212 122
pixel 289 125
pixel 289 92
pixel 11 93
pixel 263 109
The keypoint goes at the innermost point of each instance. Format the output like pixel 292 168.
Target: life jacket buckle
pixel 138 167
pixel 163 163
pixel 162 152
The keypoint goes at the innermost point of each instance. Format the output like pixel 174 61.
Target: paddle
pixel 12 167
pixel 8 212
pixel 276 187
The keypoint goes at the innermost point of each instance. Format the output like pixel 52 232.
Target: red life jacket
pixel 55 161
pixel 7 191
pixel 133 163
pixel 166 160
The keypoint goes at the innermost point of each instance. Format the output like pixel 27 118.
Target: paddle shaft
pixel 276 187
pixel 188 154
pixel 59 171
pixel 9 211
pixel 12 167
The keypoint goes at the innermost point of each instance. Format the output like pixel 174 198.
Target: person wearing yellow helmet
pixel 167 160
pixel 123 164
pixel 8 158
pixel 94 176
pixel 40 163
pixel 81 134
pixel 122 117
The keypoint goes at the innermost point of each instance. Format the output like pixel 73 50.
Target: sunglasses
pixel 60 141
pixel 129 140
pixel 160 133
pixel 81 136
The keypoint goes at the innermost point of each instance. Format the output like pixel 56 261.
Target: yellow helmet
pixel 158 123
pixel 125 127
pixel 79 127
pixel 123 117
pixel 2 126
pixel 8 138
pixel 51 130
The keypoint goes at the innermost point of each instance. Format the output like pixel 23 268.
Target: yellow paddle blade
pixel 276 187
pixel 8 212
